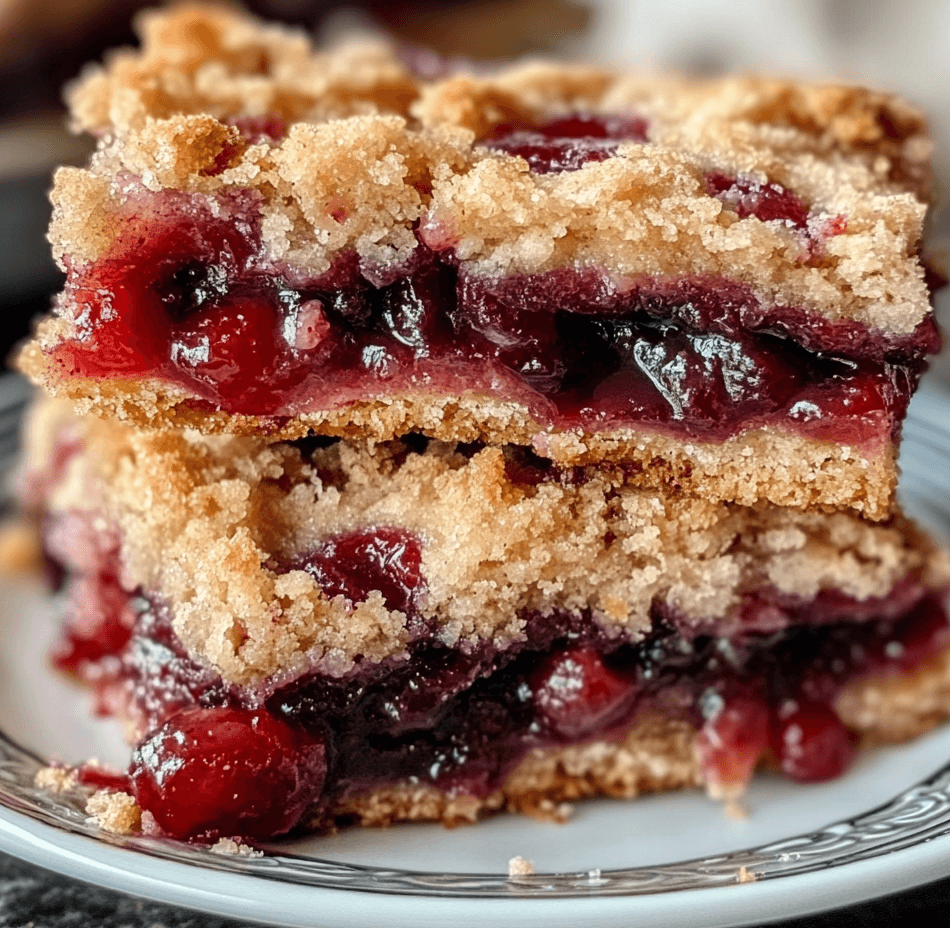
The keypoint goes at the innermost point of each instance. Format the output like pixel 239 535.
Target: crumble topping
pixel 231 848
pixel 520 866
pixel 362 151
pixel 206 522
pixel 200 58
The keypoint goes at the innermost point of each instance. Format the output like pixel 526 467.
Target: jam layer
pixel 186 297
pixel 216 759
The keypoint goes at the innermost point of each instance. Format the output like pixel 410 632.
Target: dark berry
pixel 225 772
pixel 191 286
pixel 576 693
pixel 269 128
pixel 732 740
pixel 920 635
pixel 353 565
pixel 182 298
pixel 767 202
pixel 414 310
pixel 810 742
pixel 567 144
pixel 914 638
pixel 219 345
pixel 98 623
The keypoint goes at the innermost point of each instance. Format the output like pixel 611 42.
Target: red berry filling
pixel 576 694
pixel 733 738
pixel 384 559
pixel 768 202
pixel 98 618
pixel 187 297
pixel 810 742
pixel 567 144
pixel 214 772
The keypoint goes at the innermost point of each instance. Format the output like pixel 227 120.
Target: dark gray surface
pixel 31 897
pixel 34 898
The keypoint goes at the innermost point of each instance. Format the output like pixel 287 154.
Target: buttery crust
pixel 400 150
pixel 763 464
pixel 655 755
pixel 204 524
pixel 374 154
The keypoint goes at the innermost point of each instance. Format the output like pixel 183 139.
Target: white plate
pixel 669 859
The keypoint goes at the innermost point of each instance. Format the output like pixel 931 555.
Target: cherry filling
pixel 352 565
pixel 187 297
pixel 767 202
pixel 567 144
pixel 216 759
pixel 257 773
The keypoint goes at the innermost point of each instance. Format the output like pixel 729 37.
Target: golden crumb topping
pixel 212 525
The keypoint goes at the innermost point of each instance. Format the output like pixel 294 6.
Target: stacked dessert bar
pixel 420 443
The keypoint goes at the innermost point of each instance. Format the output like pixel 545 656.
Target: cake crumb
pixel 744 875
pixel 520 866
pixel 116 813
pixel 735 809
pixel 149 827
pixel 21 550
pixel 55 779
pixel 230 847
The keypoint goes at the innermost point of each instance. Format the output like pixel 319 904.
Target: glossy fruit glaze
pixel 215 759
pixel 187 296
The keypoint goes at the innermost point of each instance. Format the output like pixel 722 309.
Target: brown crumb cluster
pixel 207 522
pixel 56 779
pixel 114 812
pixel 519 867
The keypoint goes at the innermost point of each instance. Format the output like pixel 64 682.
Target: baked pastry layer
pixel 275 239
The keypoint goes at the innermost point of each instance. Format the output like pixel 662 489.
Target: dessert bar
pixel 715 284
pixel 422 441
pixel 322 631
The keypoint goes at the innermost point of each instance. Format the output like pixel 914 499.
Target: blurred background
pixel 898 46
